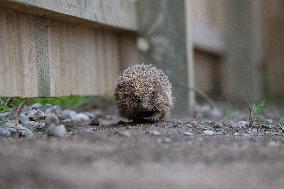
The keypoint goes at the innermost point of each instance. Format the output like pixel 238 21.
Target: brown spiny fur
pixel 143 92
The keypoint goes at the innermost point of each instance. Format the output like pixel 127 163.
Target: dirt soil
pixel 173 154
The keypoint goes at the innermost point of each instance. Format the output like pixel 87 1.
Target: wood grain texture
pixel 46 57
pixel 164 25
pixel 41 42
pixel 113 13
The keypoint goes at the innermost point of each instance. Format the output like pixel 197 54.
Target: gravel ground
pixel 104 152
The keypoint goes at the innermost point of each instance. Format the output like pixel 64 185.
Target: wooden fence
pixel 78 47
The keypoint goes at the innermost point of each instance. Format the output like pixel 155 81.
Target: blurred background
pixel 238 47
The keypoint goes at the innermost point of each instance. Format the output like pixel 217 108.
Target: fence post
pixel 165 41
pixel 243 51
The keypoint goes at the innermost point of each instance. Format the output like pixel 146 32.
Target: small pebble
pixel 5 132
pixel 81 117
pixel 40 107
pixel 36 106
pixel 208 132
pixel 54 110
pixel 57 131
pixel 69 114
pixel 187 133
pixel 51 119
pixel 269 121
pixel 90 115
pixel 155 133
pixel 23 131
pixel 189 125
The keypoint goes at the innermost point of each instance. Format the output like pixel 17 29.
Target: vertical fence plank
pixel 163 24
pixel 243 54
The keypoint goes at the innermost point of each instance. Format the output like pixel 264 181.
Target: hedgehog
pixel 143 93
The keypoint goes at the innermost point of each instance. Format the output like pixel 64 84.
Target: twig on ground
pixel 18 111
pixel 251 119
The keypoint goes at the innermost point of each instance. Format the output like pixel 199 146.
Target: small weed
pixel 281 127
pixel 265 126
pixel 199 116
pixel 255 110
pixel 9 104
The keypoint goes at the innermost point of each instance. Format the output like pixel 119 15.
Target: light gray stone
pixel 187 133
pixel 23 131
pixel 208 132
pixel 5 132
pixel 54 110
pixel 57 131
pixel 81 117
pixel 155 133
pixel 51 119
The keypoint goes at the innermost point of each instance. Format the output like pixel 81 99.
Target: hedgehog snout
pixel 146 106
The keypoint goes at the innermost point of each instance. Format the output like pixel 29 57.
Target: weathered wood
pixel 127 50
pixel 46 57
pixel 162 23
pixel 207 39
pixel 243 53
pixel 274 47
pixel 112 13
pixel 208 25
pixel 208 70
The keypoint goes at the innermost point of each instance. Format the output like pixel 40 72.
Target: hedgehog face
pixel 143 92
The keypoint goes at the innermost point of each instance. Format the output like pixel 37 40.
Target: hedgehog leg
pixel 156 116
